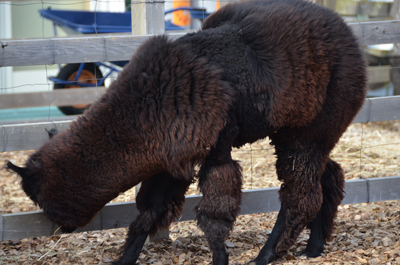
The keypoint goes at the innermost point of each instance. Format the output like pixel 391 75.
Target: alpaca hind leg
pixel 220 182
pixel 268 253
pixel 321 227
pixel 160 201
pixel 300 167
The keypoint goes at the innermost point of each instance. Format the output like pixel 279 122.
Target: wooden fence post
pixel 395 58
pixel 148 17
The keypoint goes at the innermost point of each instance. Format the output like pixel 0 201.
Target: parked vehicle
pixel 77 75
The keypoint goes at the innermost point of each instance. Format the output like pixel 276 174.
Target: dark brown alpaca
pixel 289 70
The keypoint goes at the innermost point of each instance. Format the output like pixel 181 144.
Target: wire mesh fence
pixel 366 150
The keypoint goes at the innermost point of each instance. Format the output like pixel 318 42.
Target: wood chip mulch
pixel 365 234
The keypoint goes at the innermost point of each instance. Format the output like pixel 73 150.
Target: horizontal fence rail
pixel 116 215
pixel 56 97
pixel 380 32
pixel 66 97
pixel 120 48
pixel 71 50
pixel 379 109
pixel 17 137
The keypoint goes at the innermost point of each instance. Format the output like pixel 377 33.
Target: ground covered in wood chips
pixel 364 234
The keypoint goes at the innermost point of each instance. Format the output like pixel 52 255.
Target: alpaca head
pixel 62 202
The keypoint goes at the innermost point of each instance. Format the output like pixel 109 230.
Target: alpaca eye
pixel 36 162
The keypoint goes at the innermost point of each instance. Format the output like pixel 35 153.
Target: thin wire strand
pixel 46 70
pixel 94 65
pixel 361 148
pixel 40 84
pixel 251 166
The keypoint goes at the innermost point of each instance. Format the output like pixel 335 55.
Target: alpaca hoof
pixel 253 262
pixel 309 253
pixel 262 261
pixel 67 229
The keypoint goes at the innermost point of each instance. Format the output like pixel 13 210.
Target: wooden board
pixel 383 189
pixel 17 137
pixel 120 48
pixel 28 136
pixel 57 97
pixel 379 109
pixel 148 17
pixel 116 215
pixel 378 32
pixel 70 50
pixel 356 191
pixel 379 74
pixel 67 97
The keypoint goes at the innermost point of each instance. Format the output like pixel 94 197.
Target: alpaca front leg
pixel 160 201
pixel 216 213
pixel 134 245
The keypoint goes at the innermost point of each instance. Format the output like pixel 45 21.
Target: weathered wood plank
pixel 379 109
pixel 379 32
pixel 34 224
pixel 260 201
pixel 148 17
pixel 27 136
pixel 384 189
pixel 25 225
pixel 70 50
pixel 116 215
pixel 356 191
pixel 67 97
pixel 57 97
pixel 379 74
pixel 32 136
pixel 387 108
pixel 119 48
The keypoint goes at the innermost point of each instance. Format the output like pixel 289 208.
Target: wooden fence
pixel 120 48
pixel 17 137
pixel 113 48
pixel 117 48
pixel 116 215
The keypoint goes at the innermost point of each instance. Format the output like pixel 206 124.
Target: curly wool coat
pixel 286 69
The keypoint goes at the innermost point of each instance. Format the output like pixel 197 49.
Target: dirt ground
pixel 364 234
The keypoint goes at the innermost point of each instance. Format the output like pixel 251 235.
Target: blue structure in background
pixel 86 22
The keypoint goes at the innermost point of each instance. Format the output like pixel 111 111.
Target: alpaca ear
pixel 52 132
pixel 23 172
